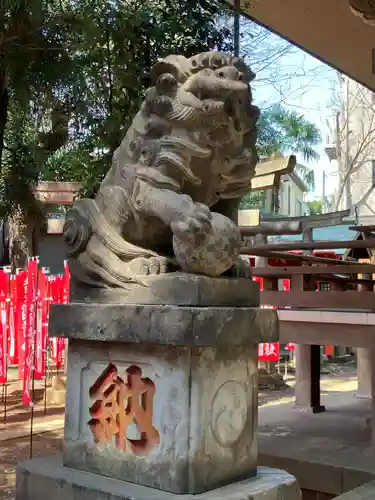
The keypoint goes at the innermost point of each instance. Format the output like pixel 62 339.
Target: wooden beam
pixel 320 300
pixel 339 280
pixel 310 245
pixel 57 193
pixel 300 257
pixel 272 228
pixel 314 221
pixel 283 272
pixel 280 166
pixel 334 333
pixel 263 182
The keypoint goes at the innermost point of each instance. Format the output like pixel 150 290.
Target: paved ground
pixel 15 432
pixel 15 440
pixel 328 452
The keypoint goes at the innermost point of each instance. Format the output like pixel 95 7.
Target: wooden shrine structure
pixel 309 317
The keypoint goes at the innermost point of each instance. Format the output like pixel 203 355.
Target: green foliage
pixel 283 130
pixel 93 58
pixel 73 75
pixel 253 200
pixel 19 170
pixel 315 207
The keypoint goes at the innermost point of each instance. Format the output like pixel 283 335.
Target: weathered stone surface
pixel 212 254
pixel 181 289
pixel 204 410
pixel 44 478
pixel 175 325
pixel 57 392
pixel 171 197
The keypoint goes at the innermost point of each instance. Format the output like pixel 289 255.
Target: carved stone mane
pixel 190 148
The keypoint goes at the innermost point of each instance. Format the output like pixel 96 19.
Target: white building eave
pixel 328 30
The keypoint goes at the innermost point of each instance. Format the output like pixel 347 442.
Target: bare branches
pixel 282 69
pixel 356 136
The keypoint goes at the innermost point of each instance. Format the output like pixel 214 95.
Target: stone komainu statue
pixel 170 200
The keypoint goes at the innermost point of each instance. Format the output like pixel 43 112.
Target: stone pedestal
pixel 45 478
pixel 199 428
pixel 163 396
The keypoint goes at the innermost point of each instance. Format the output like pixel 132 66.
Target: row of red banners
pixel 270 351
pixel 25 300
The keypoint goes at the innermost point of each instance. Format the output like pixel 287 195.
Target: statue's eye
pixel 221 74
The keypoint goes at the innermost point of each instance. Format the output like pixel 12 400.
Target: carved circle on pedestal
pixel 229 413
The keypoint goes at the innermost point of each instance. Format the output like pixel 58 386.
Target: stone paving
pixel 15 433
pixel 328 452
pixel 47 440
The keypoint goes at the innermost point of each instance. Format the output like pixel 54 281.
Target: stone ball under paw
pixel 215 254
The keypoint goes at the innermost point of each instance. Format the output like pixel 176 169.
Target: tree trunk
pixel 4 102
pixel 21 239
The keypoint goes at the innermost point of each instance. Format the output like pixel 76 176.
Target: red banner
pixel 41 333
pixel 13 337
pixel 329 350
pixel 60 295
pixel 290 346
pixel 286 285
pixel 269 351
pixel 20 316
pixel 4 289
pixel 25 300
pixel 260 281
pixel 29 340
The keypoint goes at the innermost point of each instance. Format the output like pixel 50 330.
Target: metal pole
pixel 5 403
pixel 236 28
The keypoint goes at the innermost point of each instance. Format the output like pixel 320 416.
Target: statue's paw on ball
pixel 215 253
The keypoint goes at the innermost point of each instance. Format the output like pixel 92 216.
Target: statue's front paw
pixel 241 269
pixel 153 265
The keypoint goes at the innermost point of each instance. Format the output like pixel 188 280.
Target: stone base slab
pixel 176 289
pixel 168 325
pixel 44 478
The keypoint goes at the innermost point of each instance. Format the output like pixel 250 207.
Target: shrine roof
pixel 334 31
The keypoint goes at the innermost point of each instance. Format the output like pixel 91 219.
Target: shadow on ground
pixel 17 450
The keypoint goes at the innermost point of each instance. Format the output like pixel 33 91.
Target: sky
pixel 300 82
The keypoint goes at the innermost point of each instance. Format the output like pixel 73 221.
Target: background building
pixel 292 193
pixel 351 145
